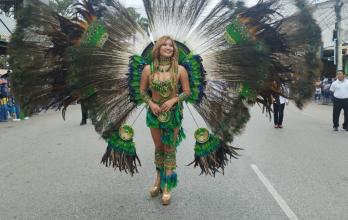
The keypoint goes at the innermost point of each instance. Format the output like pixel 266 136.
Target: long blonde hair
pixel 156 53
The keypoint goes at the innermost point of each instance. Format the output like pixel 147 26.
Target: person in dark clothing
pixel 278 111
pixel 84 112
pixel 340 93
pixel 278 105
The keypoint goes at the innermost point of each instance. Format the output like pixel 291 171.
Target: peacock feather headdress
pixel 232 57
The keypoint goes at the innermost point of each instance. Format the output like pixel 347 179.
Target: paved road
pixel 49 169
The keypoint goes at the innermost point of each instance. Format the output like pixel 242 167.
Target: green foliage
pixel 10 7
pixel 143 22
pixel 240 5
pixel 6 6
pixel 63 7
pixel 3 62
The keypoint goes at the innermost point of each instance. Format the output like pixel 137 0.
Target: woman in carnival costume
pixel 164 118
pixel 220 63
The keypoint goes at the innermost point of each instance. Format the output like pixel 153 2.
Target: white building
pixel 324 13
pixel 7 26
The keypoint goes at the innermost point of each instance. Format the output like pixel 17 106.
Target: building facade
pixel 324 13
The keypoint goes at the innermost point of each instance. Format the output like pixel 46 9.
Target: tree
pixel 63 7
pixel 240 6
pixel 3 62
pixel 10 7
pixel 143 22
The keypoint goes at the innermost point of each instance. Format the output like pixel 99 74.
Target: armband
pixel 146 98
pixel 183 96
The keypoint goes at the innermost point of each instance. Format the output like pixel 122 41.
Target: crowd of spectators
pixel 9 109
pixel 323 95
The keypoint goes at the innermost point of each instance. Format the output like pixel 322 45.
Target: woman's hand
pixel 168 104
pixel 273 100
pixel 155 108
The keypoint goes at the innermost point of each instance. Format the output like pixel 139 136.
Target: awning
pixel 3 72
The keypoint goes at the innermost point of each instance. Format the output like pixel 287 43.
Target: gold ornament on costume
pixel 164 117
pixel 164 68
pixel 164 65
pixel 202 135
pixel 126 132
pixel 165 93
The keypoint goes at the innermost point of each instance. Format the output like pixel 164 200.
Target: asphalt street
pixel 49 169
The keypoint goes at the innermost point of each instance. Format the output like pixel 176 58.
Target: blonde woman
pixel 163 78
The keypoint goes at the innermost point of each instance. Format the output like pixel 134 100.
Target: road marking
pixel 281 202
pixel 4 165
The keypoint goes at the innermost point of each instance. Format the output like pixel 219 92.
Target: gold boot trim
pixel 166 196
pixel 155 191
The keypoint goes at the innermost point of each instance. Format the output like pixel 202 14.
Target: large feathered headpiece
pixel 233 57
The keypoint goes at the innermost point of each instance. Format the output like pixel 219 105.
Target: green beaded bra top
pixel 165 87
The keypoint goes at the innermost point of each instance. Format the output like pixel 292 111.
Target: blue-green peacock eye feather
pixel 236 32
pixel 95 36
pixel 135 68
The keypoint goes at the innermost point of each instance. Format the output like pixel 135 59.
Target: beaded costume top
pixel 164 87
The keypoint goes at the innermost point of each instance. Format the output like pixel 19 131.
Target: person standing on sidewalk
pixel 279 102
pixel 84 112
pixel 340 93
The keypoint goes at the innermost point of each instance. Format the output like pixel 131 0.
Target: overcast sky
pixel 138 4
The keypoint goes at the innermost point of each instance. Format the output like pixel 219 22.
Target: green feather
pixel 204 149
pixel 119 145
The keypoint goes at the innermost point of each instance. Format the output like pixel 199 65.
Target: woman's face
pixel 167 49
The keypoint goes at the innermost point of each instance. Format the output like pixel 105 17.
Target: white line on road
pixel 281 202
pixel 2 166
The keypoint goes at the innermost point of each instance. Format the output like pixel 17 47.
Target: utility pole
pixel 338 42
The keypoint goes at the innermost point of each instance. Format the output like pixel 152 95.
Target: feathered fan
pixel 232 58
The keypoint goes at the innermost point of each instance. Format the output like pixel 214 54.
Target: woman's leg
pixel 169 180
pixel 159 148
pixel 159 159
pixel 276 114
pixel 281 114
pixel 170 155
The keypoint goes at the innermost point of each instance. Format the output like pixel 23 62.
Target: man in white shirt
pixel 340 93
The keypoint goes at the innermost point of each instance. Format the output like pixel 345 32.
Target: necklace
pixel 164 64
pixel 164 68
pixel 165 60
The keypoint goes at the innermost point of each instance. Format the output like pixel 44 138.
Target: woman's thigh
pixel 156 136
